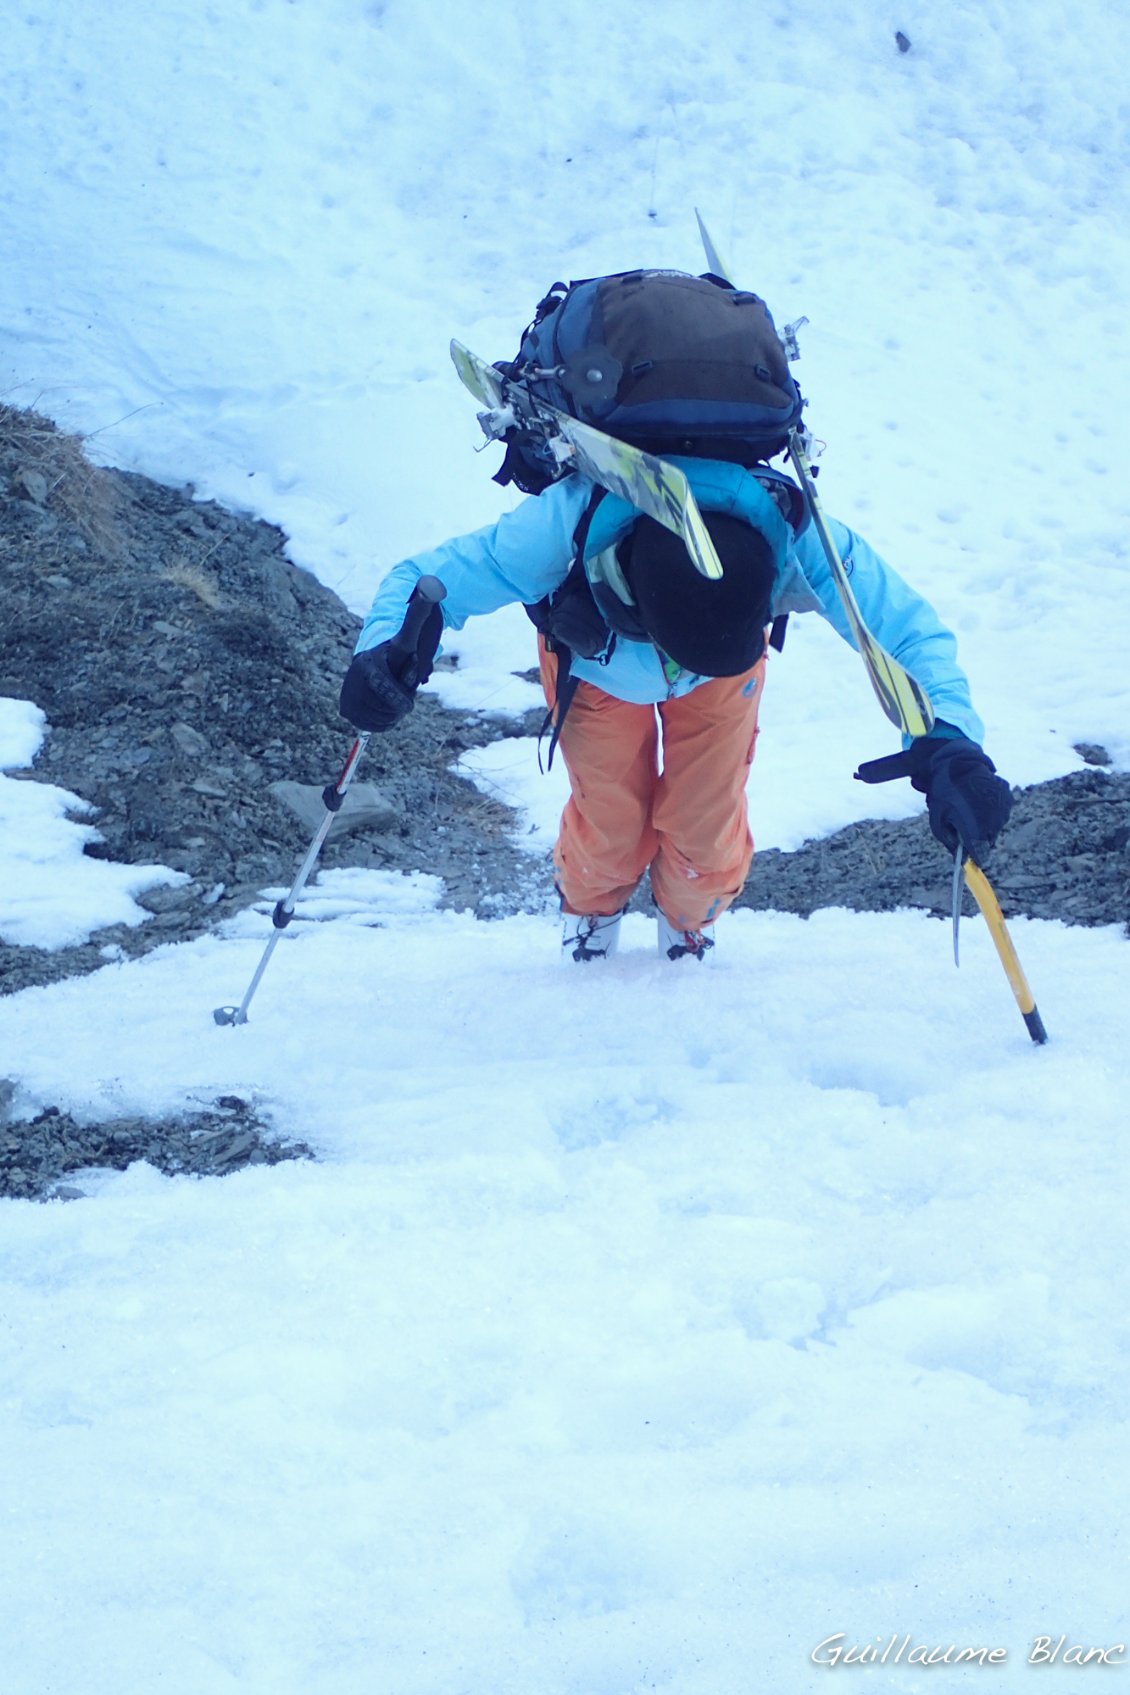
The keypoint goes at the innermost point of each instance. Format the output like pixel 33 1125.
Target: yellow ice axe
pixel 982 891
pixel 903 699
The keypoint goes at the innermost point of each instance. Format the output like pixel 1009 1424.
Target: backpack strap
pixel 540 614
pixel 584 522
pixel 554 720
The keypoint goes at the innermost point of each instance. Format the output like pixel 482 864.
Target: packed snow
pixel 645 1328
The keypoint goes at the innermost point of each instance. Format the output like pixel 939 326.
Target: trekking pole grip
pixel 428 593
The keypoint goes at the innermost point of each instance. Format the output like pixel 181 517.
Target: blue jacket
pixel 528 552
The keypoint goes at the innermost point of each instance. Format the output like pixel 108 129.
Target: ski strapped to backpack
pixel 903 700
pixel 667 362
pixel 620 354
pixel 610 375
pixel 658 489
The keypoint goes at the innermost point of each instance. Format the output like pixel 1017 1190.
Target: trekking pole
pixel 429 591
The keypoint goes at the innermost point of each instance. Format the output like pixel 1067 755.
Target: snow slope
pixel 578 1364
pixel 241 238
pixel 643 1331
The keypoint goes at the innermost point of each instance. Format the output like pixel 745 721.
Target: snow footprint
pixel 605 1118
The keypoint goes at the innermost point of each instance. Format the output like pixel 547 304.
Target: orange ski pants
pixel 687 823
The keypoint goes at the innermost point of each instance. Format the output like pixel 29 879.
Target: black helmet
pixel 712 626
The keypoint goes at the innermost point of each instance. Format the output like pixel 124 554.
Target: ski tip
pixel 713 257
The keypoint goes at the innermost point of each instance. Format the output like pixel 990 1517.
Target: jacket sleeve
pixel 898 617
pixel 525 555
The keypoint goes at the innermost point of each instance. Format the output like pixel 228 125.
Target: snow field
pixel 585 1356
pixel 51 894
pixel 294 244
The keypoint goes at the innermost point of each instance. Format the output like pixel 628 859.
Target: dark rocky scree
pixel 37 1155
pixel 1064 855
pixel 189 672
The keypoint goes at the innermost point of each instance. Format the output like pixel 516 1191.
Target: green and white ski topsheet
pixel 657 488
pixel 904 701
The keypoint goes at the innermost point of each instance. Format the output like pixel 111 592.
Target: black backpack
pixel 671 363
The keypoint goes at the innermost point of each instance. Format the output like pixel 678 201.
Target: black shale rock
pixel 38 1154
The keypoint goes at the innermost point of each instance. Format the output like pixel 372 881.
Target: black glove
pixel 373 695
pixel 380 686
pixel 967 802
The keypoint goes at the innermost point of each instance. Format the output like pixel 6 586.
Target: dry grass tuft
pixel 50 468
pixel 186 575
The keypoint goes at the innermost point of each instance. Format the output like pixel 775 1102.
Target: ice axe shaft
pixel 900 765
pixel 429 591
pixel 982 891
